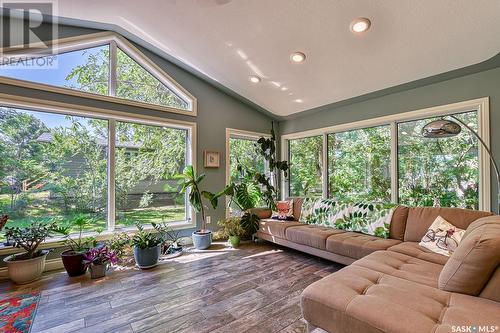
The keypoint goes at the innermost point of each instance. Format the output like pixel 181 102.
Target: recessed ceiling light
pixel 360 25
pixel 284 88
pixel 298 57
pixel 254 79
pixel 298 100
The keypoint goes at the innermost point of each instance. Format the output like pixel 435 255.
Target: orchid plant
pixel 100 256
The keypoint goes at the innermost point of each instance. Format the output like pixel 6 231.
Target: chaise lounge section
pixel 394 284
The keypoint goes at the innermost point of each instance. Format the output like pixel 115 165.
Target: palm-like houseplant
pixel 190 182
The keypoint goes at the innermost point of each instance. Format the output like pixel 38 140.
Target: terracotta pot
pixel 23 271
pixel 73 263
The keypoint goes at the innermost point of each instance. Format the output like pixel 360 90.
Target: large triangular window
pixel 109 67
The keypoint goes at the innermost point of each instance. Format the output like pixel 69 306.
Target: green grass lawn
pixel 39 210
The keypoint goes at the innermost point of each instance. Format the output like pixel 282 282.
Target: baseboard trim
pixel 50 265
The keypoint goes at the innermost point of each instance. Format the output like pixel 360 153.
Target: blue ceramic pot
pixel 147 258
pixel 202 241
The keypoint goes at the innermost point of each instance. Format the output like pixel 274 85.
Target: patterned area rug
pixel 17 313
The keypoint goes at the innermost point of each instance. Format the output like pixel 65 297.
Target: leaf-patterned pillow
pixel 322 212
pixel 368 218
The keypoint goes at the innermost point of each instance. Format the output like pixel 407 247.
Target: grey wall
pixel 471 86
pixel 216 111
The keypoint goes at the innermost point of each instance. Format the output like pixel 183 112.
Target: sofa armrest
pixel 262 212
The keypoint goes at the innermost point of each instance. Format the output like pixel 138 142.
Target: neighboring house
pixel 161 197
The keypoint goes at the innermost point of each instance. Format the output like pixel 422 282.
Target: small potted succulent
pixel 147 247
pixel 97 260
pixel 28 266
pixel 73 258
pixel 232 229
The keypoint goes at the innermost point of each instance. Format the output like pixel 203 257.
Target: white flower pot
pixel 25 271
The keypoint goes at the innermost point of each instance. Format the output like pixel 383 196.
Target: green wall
pixel 481 84
pixel 217 111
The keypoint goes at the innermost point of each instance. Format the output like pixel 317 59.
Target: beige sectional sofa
pixel 395 285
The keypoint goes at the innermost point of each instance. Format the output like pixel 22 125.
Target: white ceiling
pixel 229 40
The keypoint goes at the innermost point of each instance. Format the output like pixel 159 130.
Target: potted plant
pixel 73 258
pixel 120 243
pixel 256 187
pixel 28 266
pixel 147 247
pixel 97 260
pixel 189 181
pixel 232 228
pixel 171 237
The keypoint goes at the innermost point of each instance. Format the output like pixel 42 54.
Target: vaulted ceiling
pixel 230 40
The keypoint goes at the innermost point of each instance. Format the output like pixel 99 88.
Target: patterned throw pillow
pixel 442 237
pixel 322 212
pixel 284 210
pixel 368 218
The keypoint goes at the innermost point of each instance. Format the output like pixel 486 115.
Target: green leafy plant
pixel 120 244
pixel 267 148
pixel 231 227
pixel 190 182
pixel 78 244
pixel 144 239
pixel 30 238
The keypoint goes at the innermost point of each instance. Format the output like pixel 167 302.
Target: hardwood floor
pixel 255 288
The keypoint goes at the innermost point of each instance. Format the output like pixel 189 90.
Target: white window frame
pixel 242 134
pixel 480 105
pixel 112 117
pixel 115 41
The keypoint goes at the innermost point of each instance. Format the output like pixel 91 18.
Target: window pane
pixel 438 171
pixel 359 164
pixel 306 165
pixel 147 158
pixel 52 166
pixel 137 84
pixel 243 152
pixel 84 70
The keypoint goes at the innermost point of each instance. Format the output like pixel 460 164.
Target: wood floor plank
pixel 255 288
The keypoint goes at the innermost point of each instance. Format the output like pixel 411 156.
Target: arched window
pixel 100 66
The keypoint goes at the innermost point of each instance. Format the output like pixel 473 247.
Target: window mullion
pixel 324 171
pixel 112 68
pixel 394 163
pixel 111 174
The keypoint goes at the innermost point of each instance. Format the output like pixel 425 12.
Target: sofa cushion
pixel 402 266
pixel 297 208
pixel 356 245
pixel 492 288
pixel 311 235
pixel 413 249
pixel 420 219
pixel 357 299
pixel 276 228
pixel 398 223
pixel 475 260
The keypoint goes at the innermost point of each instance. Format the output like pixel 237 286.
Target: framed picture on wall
pixel 212 159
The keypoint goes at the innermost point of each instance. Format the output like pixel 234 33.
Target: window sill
pixel 56 242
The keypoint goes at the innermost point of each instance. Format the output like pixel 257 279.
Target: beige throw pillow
pixel 442 237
